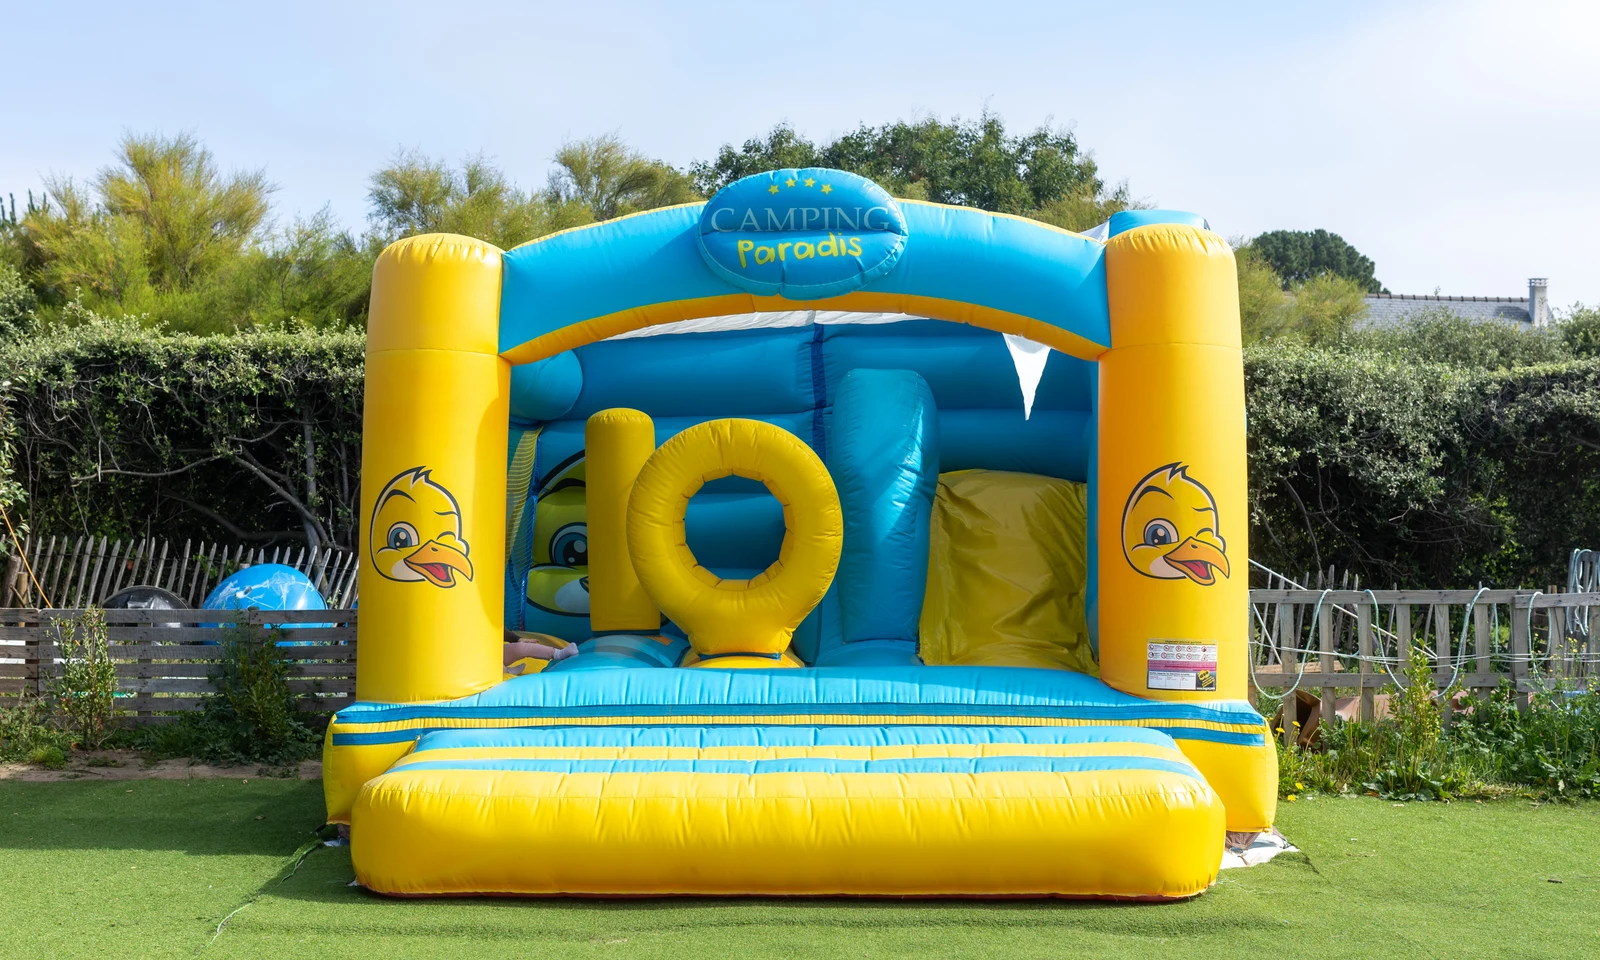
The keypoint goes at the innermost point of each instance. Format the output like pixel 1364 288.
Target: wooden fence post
pixel 33 676
pixel 1483 646
pixel 1521 626
pixel 1439 613
pixel 13 571
pixel 1402 647
pixel 1325 662
pixel 1557 624
pixel 1591 648
pixel 1364 617
pixel 1288 623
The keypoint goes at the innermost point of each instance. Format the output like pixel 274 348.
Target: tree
pixel 1300 255
pixel 17 301
pixel 191 220
pixel 1440 335
pixel 1264 307
pixel 1326 308
pixel 417 194
pixel 1044 174
pixel 602 174
pixel 162 220
pixel 11 242
pixel 594 179
pixel 164 236
pixel 781 149
pixel 310 272
pixel 1323 309
pixel 1580 330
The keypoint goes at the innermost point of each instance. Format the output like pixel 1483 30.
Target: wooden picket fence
pixel 84 571
pixel 165 663
pixel 1358 642
pixel 1332 642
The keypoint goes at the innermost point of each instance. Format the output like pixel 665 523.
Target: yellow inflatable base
pixel 734 661
pixel 1141 834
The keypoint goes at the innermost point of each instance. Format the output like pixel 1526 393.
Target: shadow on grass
pixel 323 900
pixel 199 817
pixel 274 818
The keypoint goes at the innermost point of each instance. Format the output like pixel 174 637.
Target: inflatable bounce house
pixel 903 548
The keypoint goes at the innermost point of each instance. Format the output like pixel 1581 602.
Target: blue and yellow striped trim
pixel 830 765
pixel 404 730
pixel 890 696
pixel 779 737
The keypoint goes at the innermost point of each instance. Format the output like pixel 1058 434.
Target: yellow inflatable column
pixel 616 444
pixel 433 474
pixel 1172 515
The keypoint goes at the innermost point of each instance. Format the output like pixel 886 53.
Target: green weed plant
pixel 84 694
pixel 1490 748
pixel 251 715
pixel 27 730
pixel 1553 748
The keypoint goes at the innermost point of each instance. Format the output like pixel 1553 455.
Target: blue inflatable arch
pixel 991 270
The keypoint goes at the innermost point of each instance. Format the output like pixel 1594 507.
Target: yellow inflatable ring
pixel 755 616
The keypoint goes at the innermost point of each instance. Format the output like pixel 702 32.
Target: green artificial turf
pixel 150 869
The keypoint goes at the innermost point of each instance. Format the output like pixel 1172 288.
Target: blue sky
pixel 1457 144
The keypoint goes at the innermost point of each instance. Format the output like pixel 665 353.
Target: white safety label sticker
pixel 1181 665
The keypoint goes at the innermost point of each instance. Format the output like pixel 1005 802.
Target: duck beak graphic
pixel 1198 560
pixel 439 563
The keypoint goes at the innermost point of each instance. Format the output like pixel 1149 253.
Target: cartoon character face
pixel 1169 528
pixel 559 580
pixel 415 534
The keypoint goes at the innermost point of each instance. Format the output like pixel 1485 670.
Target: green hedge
pixel 1403 470
pixel 1419 473
pixel 116 430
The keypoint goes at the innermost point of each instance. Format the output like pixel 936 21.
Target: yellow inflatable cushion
pixel 531 827
pixel 1007 572
pixel 735 616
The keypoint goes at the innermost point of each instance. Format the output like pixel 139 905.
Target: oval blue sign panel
pixel 802 234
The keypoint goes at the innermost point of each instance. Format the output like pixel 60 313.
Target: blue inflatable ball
pixel 267 586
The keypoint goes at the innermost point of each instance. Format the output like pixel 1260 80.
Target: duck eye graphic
pixel 1169 528
pixel 1160 533
pixel 402 535
pixel 416 532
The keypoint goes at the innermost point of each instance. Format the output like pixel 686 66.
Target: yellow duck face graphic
pixel 1169 528
pixel 416 532
pixel 559 580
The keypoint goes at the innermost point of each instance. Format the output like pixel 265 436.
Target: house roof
pixel 1388 309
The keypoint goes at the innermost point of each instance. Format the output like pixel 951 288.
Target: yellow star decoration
pixel 827 188
pixel 773 188
pixel 789 182
pixel 810 182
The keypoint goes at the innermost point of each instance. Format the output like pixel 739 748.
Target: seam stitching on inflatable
pixel 819 392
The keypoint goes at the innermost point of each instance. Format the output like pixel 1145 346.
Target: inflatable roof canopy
pixel 930 516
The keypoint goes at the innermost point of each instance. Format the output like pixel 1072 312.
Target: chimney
pixel 1538 302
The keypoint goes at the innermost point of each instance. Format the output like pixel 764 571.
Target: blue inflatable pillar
pixel 885 464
